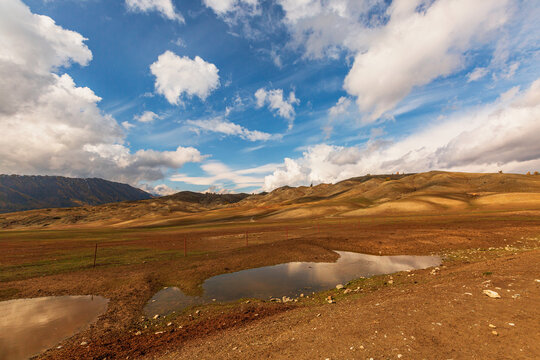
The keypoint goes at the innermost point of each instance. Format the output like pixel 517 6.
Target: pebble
pixel 492 294
pixel 159 332
pixel 138 333
pixel 197 312
pixel 84 343
pixel 169 324
pixel 492 326
pixel 495 333
pixel 155 316
pixel 339 286
pixel 511 324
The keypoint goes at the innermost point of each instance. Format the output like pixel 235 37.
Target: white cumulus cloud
pixel 498 136
pixel 52 126
pixel 413 43
pixel 146 117
pixel 284 107
pixel 414 48
pixel 176 76
pixel 164 7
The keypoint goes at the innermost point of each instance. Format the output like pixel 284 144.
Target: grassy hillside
pixel 428 193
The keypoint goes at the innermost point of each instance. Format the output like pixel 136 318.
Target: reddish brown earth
pixel 404 306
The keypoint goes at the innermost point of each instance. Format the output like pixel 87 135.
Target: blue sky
pixel 249 95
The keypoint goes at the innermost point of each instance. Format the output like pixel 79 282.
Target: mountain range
pixel 19 192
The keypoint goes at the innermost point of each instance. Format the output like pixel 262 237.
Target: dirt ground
pixel 416 315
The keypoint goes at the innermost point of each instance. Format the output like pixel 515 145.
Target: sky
pixel 250 95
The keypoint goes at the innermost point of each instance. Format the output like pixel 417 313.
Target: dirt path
pixel 445 316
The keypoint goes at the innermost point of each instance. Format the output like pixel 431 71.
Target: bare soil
pixel 381 319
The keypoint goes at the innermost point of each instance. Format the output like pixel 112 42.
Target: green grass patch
pixel 81 260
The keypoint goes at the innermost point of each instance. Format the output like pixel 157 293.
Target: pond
pixel 31 326
pixel 288 279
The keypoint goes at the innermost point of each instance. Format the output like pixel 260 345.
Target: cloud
pixel 176 76
pixel 164 7
pixel 274 99
pixel 497 136
pixel 159 190
pixel 477 74
pixel 127 125
pixel 395 47
pixel 342 107
pixel 146 117
pixel 219 174
pixel 414 48
pixel 52 126
pixel 214 189
pixel 221 7
pixel 226 127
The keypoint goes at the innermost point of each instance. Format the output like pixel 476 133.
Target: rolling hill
pixel 371 195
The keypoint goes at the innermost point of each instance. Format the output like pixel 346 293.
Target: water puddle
pixel 30 326
pixel 289 279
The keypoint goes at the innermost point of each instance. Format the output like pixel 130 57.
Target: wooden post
pixel 185 248
pixel 95 255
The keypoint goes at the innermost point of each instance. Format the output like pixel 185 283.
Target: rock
pixel 492 294
pixel 347 291
pixel 399 356
pixel 339 286
pixel 511 324
pixel 59 347
pixel 515 296
pixel 468 293
pixel 138 333
pixel 155 316
pixel 495 333
pixel 84 343
pixel 302 295
pixel 159 332
pixel 390 282
pixel 275 300
pixel 247 301
pixel 169 324
pixel 492 326
pixel 197 312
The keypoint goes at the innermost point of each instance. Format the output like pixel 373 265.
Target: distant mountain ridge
pixel 22 192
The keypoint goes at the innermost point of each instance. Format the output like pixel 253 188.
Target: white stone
pixel 492 294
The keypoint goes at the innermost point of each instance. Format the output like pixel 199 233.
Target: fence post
pixel 95 255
